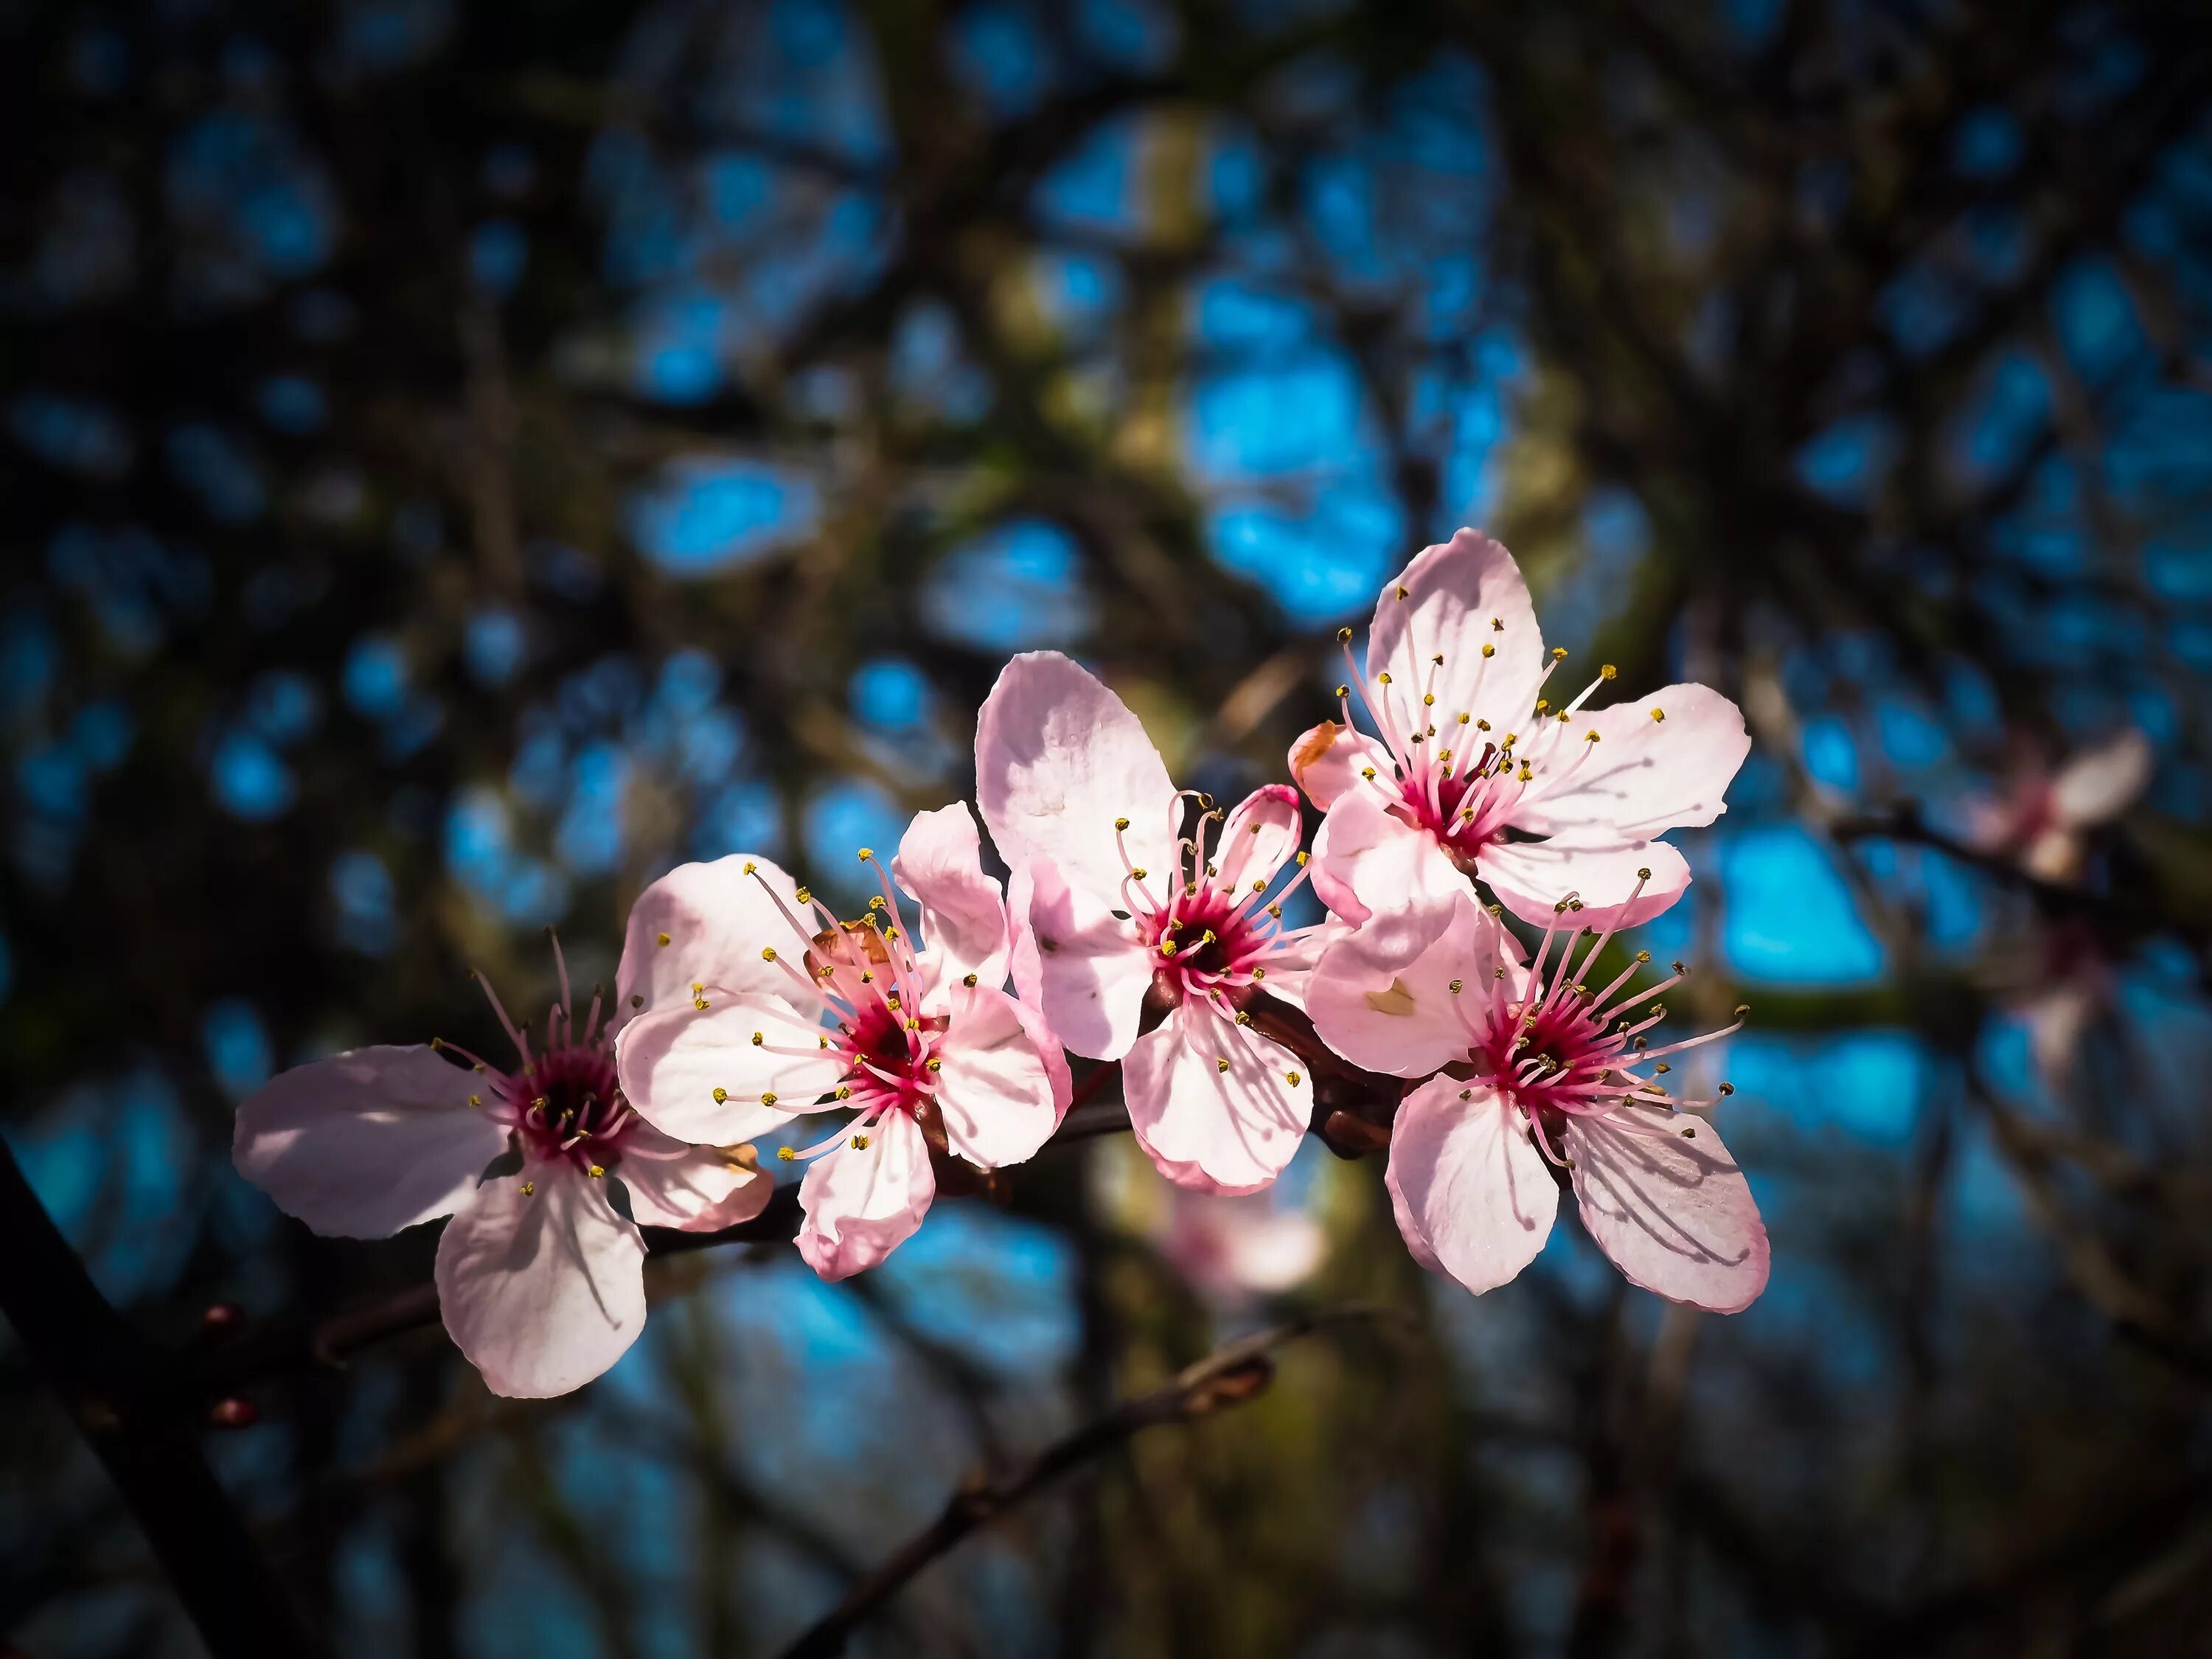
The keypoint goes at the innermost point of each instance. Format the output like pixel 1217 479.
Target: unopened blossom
pixel 545 1171
pixel 1113 903
pixel 757 1004
pixel 1471 770
pixel 1546 1071
pixel 2043 817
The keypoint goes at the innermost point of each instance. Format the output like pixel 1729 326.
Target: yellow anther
pixel 1190 890
pixel 968 980
pixel 1260 886
pixel 1589 736
pixel 768 1098
pixel 936 1065
pixel 1479 726
pixel 914 1025
pixel 1293 1076
pixel 768 953
pixel 859 1143
pixel 721 1095
pixel 784 1154
pixel 1258 972
pixel 1120 824
pixel 1402 592
pixel 1524 774
pixel 876 904
pixel 1658 713
pixel 1643 957
pixel 597 1171
pixel 1464 719
pixel 803 895
pixel 1727 1088
pixel 1303 856
pixel 1368 773
pixel 664 939
pixel 1643 874
pixel 1221 1065
pixel 1511 738
pixel 1384 678
pixel 1243 1018
pixel 866 852
pixel 844 1092
pixel 867 977
pixel 476 1100
pixel 821 1042
pixel 750 867
pixel 528 1187
pixel 1543 705
pixel 1139 874
pixel 700 1003
pixel 1489 650
pixel 1343 691
pixel 1276 911
pixel 759 1039
pixel 1608 672
pixel 1438 660
pixel 1344 636
pixel 1497 626
pixel 1428 700
pixel 1167 947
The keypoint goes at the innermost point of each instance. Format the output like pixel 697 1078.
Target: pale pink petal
pixel 1406 1020
pixel 1445 603
pixel 1261 836
pixel 1290 964
pixel 2054 855
pixel 1469 1188
pixel 1326 761
pixel 1092 970
pixel 365 1143
pixel 1663 1197
pixel 2100 784
pixel 863 1202
pixel 1641 775
pixel 1026 963
pixel 992 1088
pixel 1529 878
pixel 698 1189
pixel 673 1064
pixel 1211 1128
pixel 1058 758
pixel 1374 869
pixel 716 920
pixel 542 1290
pixel 963 921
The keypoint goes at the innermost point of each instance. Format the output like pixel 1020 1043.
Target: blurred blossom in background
pixel 462 461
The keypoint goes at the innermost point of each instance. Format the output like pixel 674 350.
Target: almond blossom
pixel 545 1170
pixel 2042 818
pixel 755 1004
pixel 1112 904
pixel 1474 773
pixel 1546 1073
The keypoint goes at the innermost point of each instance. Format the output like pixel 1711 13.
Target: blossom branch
pixel 1230 1376
pixel 106 1378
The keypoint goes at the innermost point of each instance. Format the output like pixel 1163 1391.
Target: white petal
pixel 698 1189
pixel 1642 775
pixel 1530 877
pixel 863 1202
pixel 963 919
pixel 1452 594
pixel 1083 966
pixel 1672 1210
pixel 717 921
pixel 365 1143
pixel 1376 871
pixel 1404 1019
pixel 542 1292
pixel 1208 1128
pixel 672 1065
pixel 993 1089
pixel 2100 784
pixel 1470 1191
pixel 1261 836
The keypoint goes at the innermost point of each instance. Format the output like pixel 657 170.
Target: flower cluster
pixel 1139 924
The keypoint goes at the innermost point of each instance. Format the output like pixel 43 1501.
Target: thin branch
pixel 1230 1376
pixel 106 1377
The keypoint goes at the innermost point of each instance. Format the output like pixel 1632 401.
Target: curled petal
pixel 1662 1197
pixel 542 1290
pixel 698 1075
pixel 1326 761
pixel 863 1202
pixel 365 1143
pixel 1059 758
pixel 1261 836
pixel 1471 1193
pixel 699 1189
pixel 964 919
pixel 1210 1126
pixel 1090 969
pixel 1384 875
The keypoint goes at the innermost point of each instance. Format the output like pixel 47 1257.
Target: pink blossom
pixel 1552 1080
pixel 757 1004
pixel 1230 1249
pixel 1468 753
pixel 545 1171
pixel 1111 904
pixel 2042 817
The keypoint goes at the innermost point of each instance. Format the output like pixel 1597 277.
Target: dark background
pixel 457 461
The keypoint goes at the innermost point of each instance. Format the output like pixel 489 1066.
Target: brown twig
pixel 106 1377
pixel 1230 1376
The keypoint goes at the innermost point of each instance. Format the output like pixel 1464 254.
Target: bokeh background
pixel 460 459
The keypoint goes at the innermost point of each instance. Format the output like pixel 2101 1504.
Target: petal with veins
pixel 1405 1019
pixel 697 1188
pixel 1530 877
pixel 1209 1128
pixel 1454 591
pixel 717 921
pixel 1261 836
pixel 542 1292
pixel 1469 1188
pixel 365 1143
pixel 1374 869
pixel 1673 1211
pixel 863 1202
pixel 963 921
pixel 1059 758
pixel 1641 775
pixel 993 1091
pixel 1090 968
pixel 673 1065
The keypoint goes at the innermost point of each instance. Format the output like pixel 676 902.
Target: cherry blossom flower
pixel 1231 1249
pixel 2043 817
pixel 755 1004
pixel 1111 904
pixel 1475 774
pixel 1545 1071
pixel 545 1171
